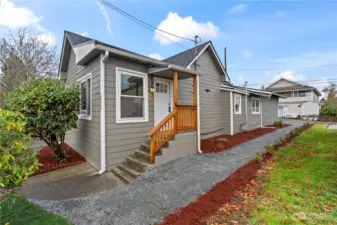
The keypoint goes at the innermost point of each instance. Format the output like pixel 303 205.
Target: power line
pixel 320 66
pixel 144 24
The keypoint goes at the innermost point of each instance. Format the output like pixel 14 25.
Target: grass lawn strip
pixel 298 187
pixel 19 211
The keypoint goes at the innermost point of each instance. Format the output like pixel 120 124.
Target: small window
pixel 237 104
pixel 255 106
pixel 131 96
pixel 85 97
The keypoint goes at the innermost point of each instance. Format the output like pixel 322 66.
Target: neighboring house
pixel 300 100
pixel 133 105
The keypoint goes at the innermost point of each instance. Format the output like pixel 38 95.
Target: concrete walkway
pixel 164 189
pixel 71 182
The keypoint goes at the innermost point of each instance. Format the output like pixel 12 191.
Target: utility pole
pixel 195 44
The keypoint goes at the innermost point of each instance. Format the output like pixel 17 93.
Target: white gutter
pixel 102 90
pixel 198 115
pixel 231 111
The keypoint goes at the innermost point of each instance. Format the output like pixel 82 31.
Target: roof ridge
pixel 183 52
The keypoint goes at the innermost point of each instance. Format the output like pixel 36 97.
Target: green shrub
pixel 278 123
pixel 50 109
pixel 259 157
pixel 270 149
pixel 328 113
pixel 17 160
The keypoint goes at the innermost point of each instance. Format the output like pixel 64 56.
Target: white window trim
pixel 239 112
pixel 118 96
pixel 81 80
pixel 251 105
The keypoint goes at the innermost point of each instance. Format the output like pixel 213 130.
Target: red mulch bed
pixel 210 145
pixel 45 157
pixel 222 193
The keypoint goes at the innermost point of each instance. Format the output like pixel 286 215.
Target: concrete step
pixel 137 164
pixel 125 167
pixel 125 177
pixel 142 155
pixel 146 148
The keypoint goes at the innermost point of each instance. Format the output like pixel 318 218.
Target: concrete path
pixel 164 189
pixel 71 182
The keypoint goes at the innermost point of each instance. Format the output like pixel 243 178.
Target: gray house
pixel 137 112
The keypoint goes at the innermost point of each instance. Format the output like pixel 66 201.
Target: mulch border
pixel 210 146
pixel 80 160
pixel 222 193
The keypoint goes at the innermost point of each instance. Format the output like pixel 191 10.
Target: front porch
pixel 183 117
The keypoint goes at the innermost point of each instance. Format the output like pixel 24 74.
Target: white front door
pixel 162 99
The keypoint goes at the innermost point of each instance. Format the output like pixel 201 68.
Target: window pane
pixel 132 107
pixel 236 108
pixel 131 85
pixel 88 96
pixel 83 96
pixel 157 87
pixel 257 103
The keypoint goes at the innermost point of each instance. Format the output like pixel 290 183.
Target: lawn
pixel 301 188
pixel 18 211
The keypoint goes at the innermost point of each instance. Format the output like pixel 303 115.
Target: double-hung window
pixel 85 96
pixel 255 106
pixel 237 104
pixel 131 96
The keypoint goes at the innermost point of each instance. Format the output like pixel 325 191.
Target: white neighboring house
pixel 300 100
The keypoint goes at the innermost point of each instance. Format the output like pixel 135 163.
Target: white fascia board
pixel 131 55
pixel 234 90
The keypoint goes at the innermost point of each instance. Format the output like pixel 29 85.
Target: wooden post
pixel 175 98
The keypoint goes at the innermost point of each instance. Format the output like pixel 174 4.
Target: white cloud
pixel 48 38
pixel 290 75
pixel 248 54
pixel 15 17
pixel 85 34
pixel 238 8
pixel 156 56
pixel 241 78
pixel 185 27
pixel 267 74
pixel 106 16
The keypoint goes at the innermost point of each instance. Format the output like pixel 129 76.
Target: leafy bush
pixel 278 123
pixel 328 113
pixel 270 149
pixel 17 160
pixel 50 109
pixel 259 157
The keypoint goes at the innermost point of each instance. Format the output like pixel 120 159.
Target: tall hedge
pixel 17 159
pixel 50 108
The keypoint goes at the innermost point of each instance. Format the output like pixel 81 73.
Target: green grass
pixel 18 211
pixel 303 182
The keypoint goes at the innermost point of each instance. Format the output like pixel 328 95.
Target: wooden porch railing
pixel 182 118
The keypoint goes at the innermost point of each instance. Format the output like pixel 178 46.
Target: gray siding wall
pixel 214 105
pixel 269 113
pixel 86 138
pixel 122 139
pixel 269 108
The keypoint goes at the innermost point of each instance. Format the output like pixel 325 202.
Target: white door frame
pixel 155 79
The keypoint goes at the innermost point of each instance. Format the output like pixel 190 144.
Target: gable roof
pixel 188 57
pixel 295 86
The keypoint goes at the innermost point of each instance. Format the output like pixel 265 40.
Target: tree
pixel 50 109
pixel 331 91
pixel 23 55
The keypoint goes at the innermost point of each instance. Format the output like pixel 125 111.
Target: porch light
pixel 151 90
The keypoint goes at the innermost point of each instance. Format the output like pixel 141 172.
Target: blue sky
pixel 265 39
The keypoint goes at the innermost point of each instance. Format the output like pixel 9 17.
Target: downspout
pixel 102 90
pixel 198 114
pixel 246 103
pixel 231 111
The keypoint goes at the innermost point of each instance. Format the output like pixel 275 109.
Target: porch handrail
pixel 162 133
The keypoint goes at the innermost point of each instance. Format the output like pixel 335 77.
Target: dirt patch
pixel 220 194
pixel 45 157
pixel 213 145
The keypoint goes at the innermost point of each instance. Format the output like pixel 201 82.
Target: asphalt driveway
pixel 164 189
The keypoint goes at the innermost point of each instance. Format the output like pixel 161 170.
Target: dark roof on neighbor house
pixel 186 57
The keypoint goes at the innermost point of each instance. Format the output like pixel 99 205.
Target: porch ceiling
pixel 168 72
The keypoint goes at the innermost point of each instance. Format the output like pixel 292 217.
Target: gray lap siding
pixel 86 137
pixel 270 110
pixel 122 139
pixel 214 103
